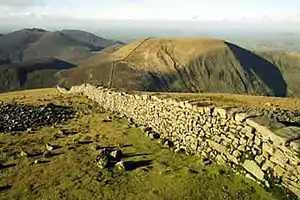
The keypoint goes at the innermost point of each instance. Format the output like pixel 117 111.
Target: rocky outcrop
pixel 246 142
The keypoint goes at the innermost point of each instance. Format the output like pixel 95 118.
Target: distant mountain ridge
pixel 191 65
pixel 33 58
pixel 68 45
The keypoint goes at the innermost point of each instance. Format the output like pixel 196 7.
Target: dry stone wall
pixel 226 136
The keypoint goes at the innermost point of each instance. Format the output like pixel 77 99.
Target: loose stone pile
pixel 246 142
pixel 19 117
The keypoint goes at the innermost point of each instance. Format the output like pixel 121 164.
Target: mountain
pixel 191 65
pixel 32 74
pixel 149 64
pixel 69 45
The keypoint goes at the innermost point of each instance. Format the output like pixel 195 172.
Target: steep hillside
pixel 95 43
pixel 33 74
pixel 13 44
pixel 191 65
pixel 289 65
pixel 68 45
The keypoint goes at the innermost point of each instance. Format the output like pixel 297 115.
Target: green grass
pixel 156 172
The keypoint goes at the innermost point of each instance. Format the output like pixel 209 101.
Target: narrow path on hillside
pixel 123 59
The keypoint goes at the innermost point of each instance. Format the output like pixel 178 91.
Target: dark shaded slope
pixel 69 45
pixel 266 71
pixel 289 65
pixel 95 43
pixel 56 45
pixel 217 71
pixel 29 75
pixel 13 44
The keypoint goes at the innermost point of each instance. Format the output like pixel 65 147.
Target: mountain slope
pixel 190 65
pixel 13 44
pixel 68 45
pixel 33 74
pixel 95 43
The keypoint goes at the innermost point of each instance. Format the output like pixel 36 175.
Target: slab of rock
pixel 217 147
pixel 290 133
pixel 262 125
pixel 254 169
pixel 295 145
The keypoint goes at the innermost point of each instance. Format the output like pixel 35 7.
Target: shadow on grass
pixel 132 165
pixel 7 166
pixel 130 155
pixel 112 148
pixel 5 187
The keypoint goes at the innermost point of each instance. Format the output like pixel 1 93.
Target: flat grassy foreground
pixel 154 172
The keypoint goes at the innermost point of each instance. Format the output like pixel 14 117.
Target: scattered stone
pixel 120 166
pixel 116 155
pixel 102 158
pixel 29 130
pixel 108 119
pixel 37 161
pixel 20 117
pixel 24 154
pixel 49 147
pixel 207 161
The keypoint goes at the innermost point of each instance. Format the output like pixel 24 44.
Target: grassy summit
pixel 153 172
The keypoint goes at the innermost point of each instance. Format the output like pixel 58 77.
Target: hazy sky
pixel 237 10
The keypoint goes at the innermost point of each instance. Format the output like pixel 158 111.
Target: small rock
pixel 29 130
pixel 102 159
pixel 207 161
pixel 108 119
pixel 24 154
pixel 102 162
pixel 117 155
pixel 49 147
pixel 120 166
